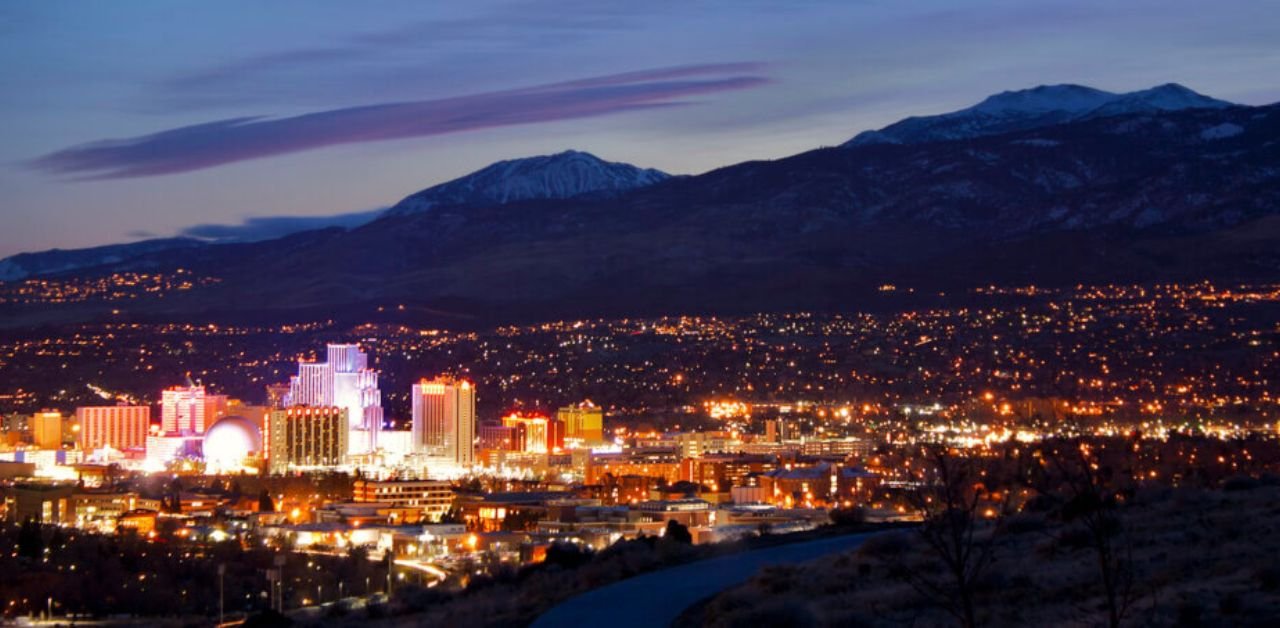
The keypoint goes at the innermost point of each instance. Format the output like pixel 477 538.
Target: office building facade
pixel 306 437
pixel 121 427
pixel 344 380
pixel 46 430
pixel 583 423
pixel 444 420
pixel 189 410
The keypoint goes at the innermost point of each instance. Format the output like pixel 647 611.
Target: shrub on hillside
pixel 848 517
pixel 887 545
pixel 783 611
pixel 1240 483
pixel 1023 523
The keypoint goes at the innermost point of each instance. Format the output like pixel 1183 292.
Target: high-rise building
pixel 122 427
pixel 344 380
pixel 583 422
pixel 432 497
pixel 164 448
pixel 306 436
pixel 189 410
pixel 394 444
pixel 13 429
pixel 779 430
pixel 255 414
pixel 444 420
pixel 46 430
pixel 492 435
pixel 277 395
pixel 536 434
pixel 43 502
pixel 771 431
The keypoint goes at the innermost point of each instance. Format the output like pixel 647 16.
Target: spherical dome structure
pixel 229 441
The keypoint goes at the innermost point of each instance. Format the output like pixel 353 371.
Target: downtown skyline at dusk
pixel 701 314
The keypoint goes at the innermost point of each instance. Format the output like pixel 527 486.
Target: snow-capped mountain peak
pixel 562 175
pixel 1037 107
pixel 1167 97
pixel 1043 99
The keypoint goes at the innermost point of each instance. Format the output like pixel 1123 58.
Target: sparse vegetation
pixel 1196 557
pixel 515 597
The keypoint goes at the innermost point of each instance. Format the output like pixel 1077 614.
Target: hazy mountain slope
pixel 25 265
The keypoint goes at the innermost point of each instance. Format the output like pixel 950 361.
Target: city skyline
pixel 533 312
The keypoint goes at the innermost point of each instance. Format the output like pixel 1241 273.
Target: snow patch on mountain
pixel 1038 141
pixel 1148 217
pixel 1221 131
pixel 10 271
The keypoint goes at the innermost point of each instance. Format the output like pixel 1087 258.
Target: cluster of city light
pixel 112 287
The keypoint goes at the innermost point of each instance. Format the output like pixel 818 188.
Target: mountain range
pixel 563 175
pixel 1041 106
pixel 1053 185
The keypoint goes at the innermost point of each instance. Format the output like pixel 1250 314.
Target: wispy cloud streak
pixel 210 144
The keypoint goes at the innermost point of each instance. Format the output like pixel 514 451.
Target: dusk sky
pixel 130 120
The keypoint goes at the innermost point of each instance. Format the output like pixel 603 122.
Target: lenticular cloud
pixel 220 142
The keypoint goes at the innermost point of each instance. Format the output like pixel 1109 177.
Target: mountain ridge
pixel 1128 198
pixel 561 175
pixel 1137 197
pixel 53 261
pixel 1036 107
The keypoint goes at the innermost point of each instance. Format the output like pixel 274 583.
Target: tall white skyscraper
pixel 188 410
pixel 343 380
pixel 444 420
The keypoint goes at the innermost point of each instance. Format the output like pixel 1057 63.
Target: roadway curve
pixel 658 598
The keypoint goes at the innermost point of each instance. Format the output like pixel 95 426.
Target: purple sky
pixel 136 119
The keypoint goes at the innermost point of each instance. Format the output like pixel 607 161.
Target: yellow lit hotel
pixel 306 436
pixel 583 422
pixel 46 430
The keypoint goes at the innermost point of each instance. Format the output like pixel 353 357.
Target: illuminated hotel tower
pixel 46 430
pixel 305 437
pixel 583 422
pixel 346 381
pixel 536 434
pixel 188 410
pixel 444 420
pixel 120 426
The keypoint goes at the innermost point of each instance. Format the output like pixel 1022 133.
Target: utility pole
pixel 222 573
pixel 279 562
pixel 391 564
pixel 273 576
